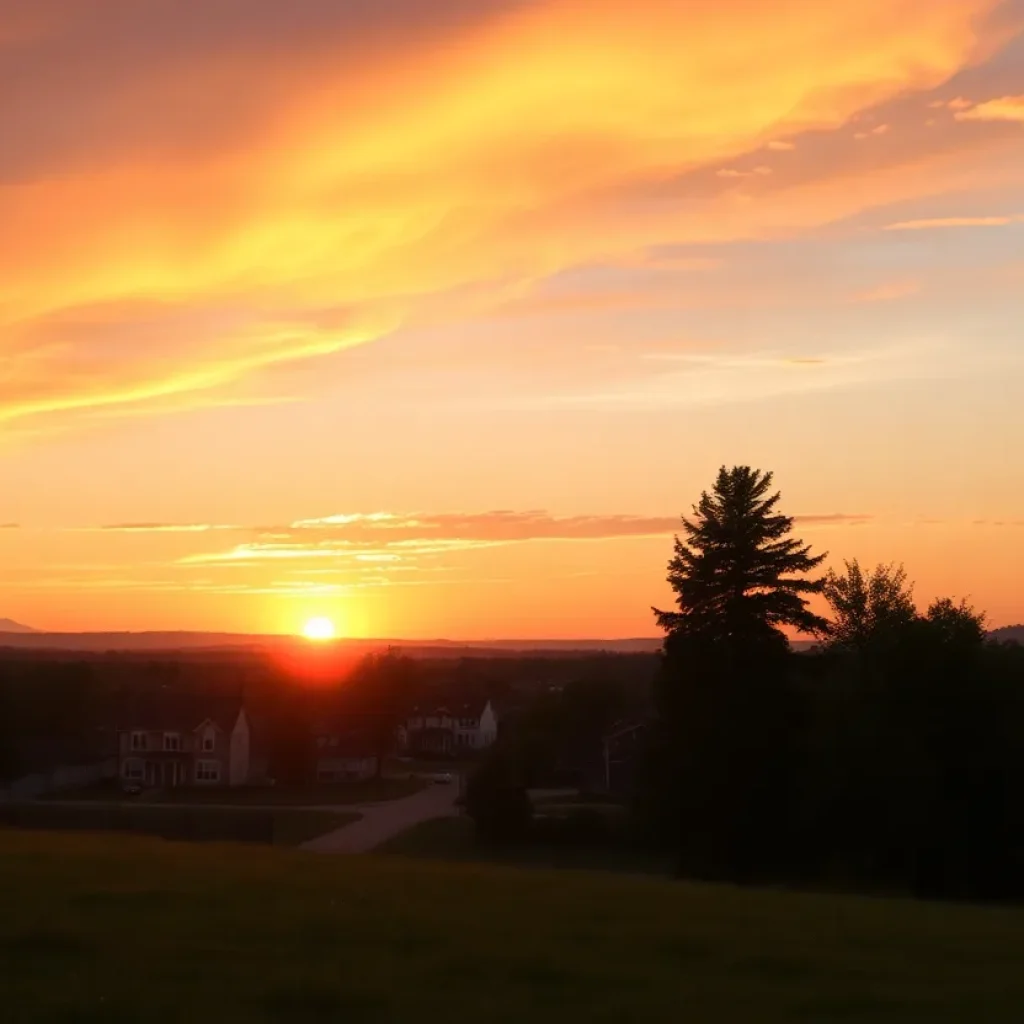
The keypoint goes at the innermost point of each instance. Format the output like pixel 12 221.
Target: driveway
pixel 381 822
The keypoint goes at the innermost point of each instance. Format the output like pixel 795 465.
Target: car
pixel 443 778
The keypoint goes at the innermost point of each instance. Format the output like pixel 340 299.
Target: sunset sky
pixel 432 317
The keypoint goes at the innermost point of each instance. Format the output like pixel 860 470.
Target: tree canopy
pixel 867 606
pixel 737 572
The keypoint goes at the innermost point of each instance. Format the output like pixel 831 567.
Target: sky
pixel 433 318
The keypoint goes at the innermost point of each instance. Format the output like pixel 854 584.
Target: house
pixel 623 746
pixel 343 750
pixel 450 726
pixel 178 737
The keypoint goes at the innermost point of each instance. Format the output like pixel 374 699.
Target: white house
pixel 184 739
pixel 448 726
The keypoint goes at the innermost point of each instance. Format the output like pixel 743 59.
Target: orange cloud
pixel 166 527
pixel 388 538
pixel 1008 108
pixel 881 129
pixel 952 222
pixel 730 172
pixel 288 164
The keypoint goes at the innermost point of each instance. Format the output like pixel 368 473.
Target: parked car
pixel 444 778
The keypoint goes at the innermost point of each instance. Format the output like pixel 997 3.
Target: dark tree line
pixel 890 758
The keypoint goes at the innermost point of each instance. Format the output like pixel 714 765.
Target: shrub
pixel 586 826
pixel 498 803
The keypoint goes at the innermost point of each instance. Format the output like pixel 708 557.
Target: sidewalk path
pixel 383 821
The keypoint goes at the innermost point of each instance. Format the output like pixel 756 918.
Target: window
pixel 209 741
pixel 467 723
pixel 132 769
pixel 172 741
pixel 207 771
pixel 139 741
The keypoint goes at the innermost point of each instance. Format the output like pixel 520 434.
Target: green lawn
pixel 114 929
pixel 294 827
pixel 452 839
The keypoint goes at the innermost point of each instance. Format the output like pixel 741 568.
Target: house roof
pixel 452 705
pixel 180 709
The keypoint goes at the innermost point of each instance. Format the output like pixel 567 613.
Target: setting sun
pixel 319 629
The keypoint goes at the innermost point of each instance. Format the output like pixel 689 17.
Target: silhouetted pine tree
pixel 738 574
pixel 730 747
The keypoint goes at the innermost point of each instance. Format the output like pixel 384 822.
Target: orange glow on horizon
pixel 433 317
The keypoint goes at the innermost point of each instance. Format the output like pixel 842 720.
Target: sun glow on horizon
pixel 319 629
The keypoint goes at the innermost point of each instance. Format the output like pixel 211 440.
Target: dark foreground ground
pixel 454 840
pixel 117 929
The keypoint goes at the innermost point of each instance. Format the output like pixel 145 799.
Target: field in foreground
pixel 453 840
pixel 116 929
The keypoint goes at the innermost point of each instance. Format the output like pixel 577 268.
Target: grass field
pixel 452 839
pixel 294 827
pixel 110 930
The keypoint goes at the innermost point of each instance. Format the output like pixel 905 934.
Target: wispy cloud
pixel 881 129
pixel 243 173
pixel 487 526
pixel 760 171
pixel 165 527
pixel 390 539
pixel 938 223
pixel 958 103
pixel 834 519
pixel 1007 108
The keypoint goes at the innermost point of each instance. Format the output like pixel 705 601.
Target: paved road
pixel 383 821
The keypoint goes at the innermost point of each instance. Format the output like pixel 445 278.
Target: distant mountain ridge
pixel 167 641
pixel 15 635
pixel 10 626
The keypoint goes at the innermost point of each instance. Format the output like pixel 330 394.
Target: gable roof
pixel 180 709
pixel 464 705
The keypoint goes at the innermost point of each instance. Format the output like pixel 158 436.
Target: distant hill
pixel 1008 634
pixel 172 641
pixel 10 626
pixel 26 638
